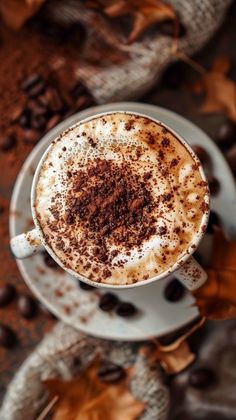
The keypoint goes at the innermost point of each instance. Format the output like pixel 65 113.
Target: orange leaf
pixel 16 12
pixel 216 299
pixel 86 398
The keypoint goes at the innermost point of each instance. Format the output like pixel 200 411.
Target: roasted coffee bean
pixel 126 309
pixel 27 306
pixel 214 220
pixel 7 336
pixel 169 28
pixel 214 185
pixel 53 121
pixel 38 122
pixel 226 135
pixel 85 286
pixel 108 302
pixel 31 81
pixel 78 90
pixel 36 90
pixel 7 143
pixel 31 136
pixel 7 294
pixel 201 378
pixel 110 373
pixel 54 100
pixel 231 158
pixel 174 291
pixel 174 75
pixel 25 118
pixel 201 153
pixel 49 261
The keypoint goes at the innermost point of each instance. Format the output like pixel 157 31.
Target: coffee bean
pixel 201 378
pixel 108 302
pixel 7 294
pixel 174 291
pixel 201 153
pixel 7 143
pixel 226 135
pixel 50 262
pixel 214 220
pixel 78 90
pixel 169 28
pixel 214 185
pixel 85 286
pixel 31 81
pixel 53 100
pixel 126 309
pixel 38 122
pixel 31 136
pixel 36 90
pixel 110 373
pixel 53 121
pixel 7 336
pixel 27 306
pixel 231 158
pixel 25 118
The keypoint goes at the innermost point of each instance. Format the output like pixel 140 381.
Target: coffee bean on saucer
pixel 110 372
pixel 126 309
pixel 108 302
pixel 226 135
pixel 31 81
pixel 201 378
pixel 49 261
pixel 27 306
pixel 7 294
pixel 7 336
pixel 201 153
pixel 7 143
pixel 214 185
pixel 214 220
pixel 85 286
pixel 174 291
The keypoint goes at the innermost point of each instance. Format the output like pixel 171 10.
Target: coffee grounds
pixel 109 200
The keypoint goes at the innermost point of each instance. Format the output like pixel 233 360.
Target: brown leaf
pixel 216 299
pixel 86 398
pixel 145 13
pixel 16 12
pixel 220 90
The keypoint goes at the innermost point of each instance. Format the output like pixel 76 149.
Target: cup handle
pixel 191 274
pixel 26 244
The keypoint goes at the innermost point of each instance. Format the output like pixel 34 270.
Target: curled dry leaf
pixel 86 398
pixel 16 12
pixel 220 90
pixel 216 299
pixel 144 13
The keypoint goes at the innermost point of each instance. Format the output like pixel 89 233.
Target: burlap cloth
pixel 143 64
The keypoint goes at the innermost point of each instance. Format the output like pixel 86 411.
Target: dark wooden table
pixel 177 98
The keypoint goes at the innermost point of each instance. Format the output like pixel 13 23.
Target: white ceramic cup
pixel 187 270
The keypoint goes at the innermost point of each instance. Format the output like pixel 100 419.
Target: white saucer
pixel 60 292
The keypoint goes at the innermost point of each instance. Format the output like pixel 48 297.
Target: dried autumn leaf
pixel 16 12
pixel 216 299
pixel 220 90
pixel 145 13
pixel 86 398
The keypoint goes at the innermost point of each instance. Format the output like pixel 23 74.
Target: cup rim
pixel 192 246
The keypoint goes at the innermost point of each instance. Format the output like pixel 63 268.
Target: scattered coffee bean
pixel 126 309
pixel 31 136
pixel 85 286
pixel 53 121
pixel 16 113
pixel 7 336
pixel 27 306
pixel 174 291
pixel 231 158
pixel 110 373
pixel 38 122
pixel 201 378
pixel 78 90
pixel 201 153
pixel 25 118
pixel 53 100
pixel 214 220
pixel 36 90
pixel 226 135
pixel 108 302
pixel 7 143
pixel 7 294
pixel 31 81
pixel 49 261
pixel 214 185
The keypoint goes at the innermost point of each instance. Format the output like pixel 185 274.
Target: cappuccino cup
pixel 119 200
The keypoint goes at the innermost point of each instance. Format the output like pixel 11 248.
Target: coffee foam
pixel 176 186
